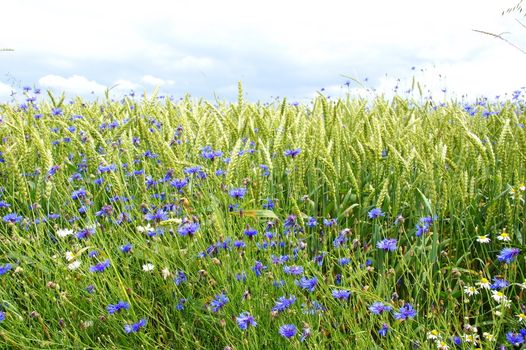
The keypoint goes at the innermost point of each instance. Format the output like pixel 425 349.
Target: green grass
pixel 411 160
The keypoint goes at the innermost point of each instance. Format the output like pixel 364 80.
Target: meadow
pixel 352 223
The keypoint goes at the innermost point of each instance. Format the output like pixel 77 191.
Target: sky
pixel 275 48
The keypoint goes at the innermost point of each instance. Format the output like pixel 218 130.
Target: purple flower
pixel 293 270
pixel 375 213
pixel 188 229
pixel 126 248
pixel 499 283
pixel 12 218
pixel 250 232
pixel 134 328
pixel 507 255
pixel 121 305
pixel 292 152
pixel 308 284
pixel 283 303
pixel 405 312
pixel 100 267
pixel 4 269
pixel 387 244
pixel 218 302
pixel 383 331
pixel 258 267
pixel 78 194
pixel 287 330
pixel 341 294
pixel 237 193
pixel 180 278
pixel 56 111
pixel 158 216
pixel 377 308
pixel 245 320
pixel 515 339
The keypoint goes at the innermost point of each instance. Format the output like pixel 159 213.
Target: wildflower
pixel 64 233
pixel 387 244
pixel 69 256
pixel 100 267
pixel 127 248
pixel 305 333
pixel 121 305
pixel 499 283
pixel 180 277
pixel 508 255
pixel 377 308
pixel 471 338
pixel 433 335
pixel 288 331
pixel 470 290
pixel 188 229
pixel 383 330
pixel 315 308
pixel 78 194
pixel 250 232
pixel 489 336
pixel 293 153
pixel 283 303
pixel 258 267
pixel 293 270
pixel 12 218
pixel 344 261
pixel 405 312
pixel 375 213
pixel 484 283
pixel 145 229
pixel 483 239
pixel 499 297
pixel 135 327
pixel 341 294
pixel 158 216
pixel 515 339
pixel 218 302
pixel 245 320
pixel 2 316
pixel 308 284
pixel 148 267
pixel 4 269
pixel 504 236
pixel 74 265
pixel 521 317
pixel 442 345
pixel 165 273
pixel 237 193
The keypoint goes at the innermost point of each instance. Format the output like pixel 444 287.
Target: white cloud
pixel 75 84
pixel 5 90
pixel 126 85
pixel 154 81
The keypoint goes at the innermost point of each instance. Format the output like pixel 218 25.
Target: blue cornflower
pixel 283 303
pixel 383 331
pixel 244 320
pixel 344 261
pixel 78 194
pixel 375 213
pixel 515 339
pixel 258 267
pixel 314 309
pixel 237 193
pixel 4 269
pixel 421 229
pixel 330 222
pixel 507 255
pixel 341 294
pixel 311 222
pixel 219 301
pixel 405 312
pixel 121 305
pixel 134 328
pixel 107 168
pixel 250 232
pixel 158 216
pixel 287 330
pixel 93 254
pixel 387 244
pixel 292 152
pixel 239 244
pixel 12 218
pixel 100 267
pixel 293 270
pixel 180 278
pixel 308 284
pixel 499 283
pixel 179 183
pixel 126 248
pixel 457 340
pixel 4 204
pixel 188 229
pixel 377 308
pixel 85 233
pixel 53 170
pixel 56 111
pixel 2 316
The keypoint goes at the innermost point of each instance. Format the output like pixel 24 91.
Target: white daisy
pixel 483 239
pixel 504 236
pixel 148 267
pixel 70 256
pixel 74 265
pixel 484 283
pixel 64 232
pixel 470 290
pixel 166 273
